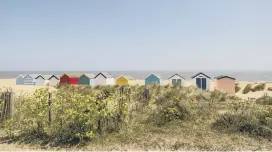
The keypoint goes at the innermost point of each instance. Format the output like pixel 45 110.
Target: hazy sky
pixel 135 35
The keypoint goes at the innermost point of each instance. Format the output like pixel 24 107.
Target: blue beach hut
pixel 20 79
pixel 153 79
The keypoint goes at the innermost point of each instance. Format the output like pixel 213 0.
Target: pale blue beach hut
pixel 20 79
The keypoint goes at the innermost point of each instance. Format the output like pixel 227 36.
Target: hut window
pixel 178 81
pixel 174 81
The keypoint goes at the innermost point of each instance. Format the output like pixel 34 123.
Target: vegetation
pixel 258 87
pixel 269 89
pixel 255 124
pixel 237 87
pixel 247 89
pixel 265 100
pixel 138 117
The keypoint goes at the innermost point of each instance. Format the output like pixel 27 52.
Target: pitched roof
pixel 104 74
pixel 70 75
pixel 175 75
pixel 73 75
pixel 200 74
pixel 224 76
pixel 34 76
pixel 21 75
pixel 90 75
pixel 129 77
pixel 56 76
pixel 156 75
pixel 46 77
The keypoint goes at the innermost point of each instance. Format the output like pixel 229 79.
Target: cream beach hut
pixel 104 78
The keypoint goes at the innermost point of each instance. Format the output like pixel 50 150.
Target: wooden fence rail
pixel 6 105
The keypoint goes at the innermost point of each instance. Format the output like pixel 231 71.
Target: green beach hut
pixel 86 79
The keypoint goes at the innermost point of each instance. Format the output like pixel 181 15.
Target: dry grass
pixel 179 136
pixel 193 133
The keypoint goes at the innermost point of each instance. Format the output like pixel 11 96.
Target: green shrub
pixel 259 124
pixel 217 96
pixel 265 100
pixel 247 89
pixel 237 88
pixel 259 87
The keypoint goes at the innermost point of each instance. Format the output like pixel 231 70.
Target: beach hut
pixel 30 79
pixel 20 79
pixel 225 84
pixel 86 79
pixel 69 79
pixel 104 78
pixel 176 79
pixel 53 80
pixel 40 80
pixel 125 80
pixel 43 80
pixel 153 79
pixel 201 81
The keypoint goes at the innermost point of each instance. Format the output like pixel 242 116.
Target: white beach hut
pixel 53 80
pixel 104 78
pixel 201 81
pixel 176 79
pixel 42 80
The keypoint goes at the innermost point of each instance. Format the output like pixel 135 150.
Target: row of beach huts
pixel 200 80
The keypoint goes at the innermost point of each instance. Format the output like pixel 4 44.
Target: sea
pixel 239 75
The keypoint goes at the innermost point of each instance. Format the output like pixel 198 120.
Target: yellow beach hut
pixel 125 80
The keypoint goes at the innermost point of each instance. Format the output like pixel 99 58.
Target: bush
pixel 265 100
pixel 170 113
pixel 259 124
pixel 259 87
pixel 269 89
pixel 78 113
pixel 237 88
pixel 218 96
pixel 247 89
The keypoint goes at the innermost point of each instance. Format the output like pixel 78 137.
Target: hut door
pixel 198 82
pixel 204 84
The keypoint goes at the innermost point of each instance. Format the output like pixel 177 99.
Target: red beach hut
pixel 69 79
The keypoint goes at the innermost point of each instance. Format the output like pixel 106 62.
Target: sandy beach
pixel 11 83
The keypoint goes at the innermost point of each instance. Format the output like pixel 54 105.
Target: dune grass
pixel 127 118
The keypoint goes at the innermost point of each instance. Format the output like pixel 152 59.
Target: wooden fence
pixel 6 105
pixel 7 100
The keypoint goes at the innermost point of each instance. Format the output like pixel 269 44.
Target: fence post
pixel 50 109
pixel 146 93
pixel 8 105
pixel 4 114
pixel 12 103
pixel 2 106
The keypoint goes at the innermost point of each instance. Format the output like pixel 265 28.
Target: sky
pixel 136 35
